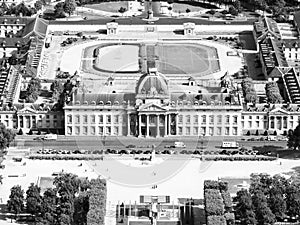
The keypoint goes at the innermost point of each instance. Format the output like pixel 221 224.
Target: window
pixel 188 131
pixel 116 131
pixel 77 119
pixel 211 131
pixel 219 119
pixel 226 130
pixel 227 119
pixel 116 118
pixel 243 117
pixel 77 130
pixel 180 130
pixel 203 119
pixel 211 119
pixel 196 119
pixel 250 124
pixel 243 124
pixel 257 124
pixel 188 119
pixel 234 130
pixel 69 119
pixel 219 130
pixel 85 120
pixel 100 117
pixel 93 119
pixel 195 131
pixel 203 130
pixel 100 130
pixel 180 119
pixel 250 117
pixel 257 117
pixel 108 130
pixel 108 119
pixel 54 116
pixel 85 130
pixel 93 130
pixel 235 119
pixel 69 130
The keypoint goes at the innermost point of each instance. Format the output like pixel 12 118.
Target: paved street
pixel 96 143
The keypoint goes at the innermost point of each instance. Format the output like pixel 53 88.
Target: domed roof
pixel 151 85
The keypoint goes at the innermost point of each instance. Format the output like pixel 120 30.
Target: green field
pixel 108 6
pixel 187 59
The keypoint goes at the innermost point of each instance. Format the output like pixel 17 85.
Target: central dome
pixel 152 85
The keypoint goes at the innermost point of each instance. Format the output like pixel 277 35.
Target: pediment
pixel 278 111
pixel 27 110
pixel 152 107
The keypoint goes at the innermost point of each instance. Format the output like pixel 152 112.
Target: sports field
pixel 187 59
pixel 118 58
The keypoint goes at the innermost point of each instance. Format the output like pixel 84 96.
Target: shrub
pixel 211 184
pixel 248 133
pixel 227 199
pixel 20 132
pixel 216 220
pixel 266 133
pixel 30 132
pixel 229 218
pixel 213 202
pixel 257 133
pixel 223 186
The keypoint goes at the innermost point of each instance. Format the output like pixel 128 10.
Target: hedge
pixel 229 217
pixel 66 157
pixel 216 220
pixel 227 199
pixel 97 202
pixel 211 184
pixel 213 202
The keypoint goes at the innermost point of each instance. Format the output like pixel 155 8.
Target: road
pixel 98 143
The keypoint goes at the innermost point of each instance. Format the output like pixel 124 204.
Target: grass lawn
pixel 108 6
pixel 182 7
pixel 189 59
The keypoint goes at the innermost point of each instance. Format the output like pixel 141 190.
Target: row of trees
pixel 68 7
pixel 249 92
pixel 218 204
pixel 72 201
pixel 33 90
pixel 273 93
pixel 20 9
pixel 268 200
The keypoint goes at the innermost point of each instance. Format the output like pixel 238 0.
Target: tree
pixel 293 200
pixel 38 5
pixel 273 93
pixel 233 11
pixel 244 208
pixel 187 10
pixel 249 91
pixel 6 137
pixel 237 5
pixel 69 6
pixel 263 213
pixel 59 10
pixel 33 90
pixel 122 10
pixel 15 204
pixel 57 89
pixel 81 208
pixel 33 200
pixel 49 206
pixel 294 138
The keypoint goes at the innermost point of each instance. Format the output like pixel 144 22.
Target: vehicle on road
pixel 272 138
pixel 230 144
pixel 50 137
pixel 179 144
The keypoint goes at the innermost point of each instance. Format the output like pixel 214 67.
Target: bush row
pixel 238 158
pixel 65 157
pixel 227 199
pixel 216 220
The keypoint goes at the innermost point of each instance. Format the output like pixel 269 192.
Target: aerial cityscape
pixel 150 112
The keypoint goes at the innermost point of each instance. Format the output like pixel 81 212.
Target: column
pixel 157 125
pixel 176 124
pixel 166 125
pixel 282 123
pixel 147 125
pixel 140 125
pixel 169 125
pixel 31 121
pixel 128 124
pixel 18 122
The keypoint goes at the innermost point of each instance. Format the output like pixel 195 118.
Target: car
pixel 251 139
pixel 168 152
pixel 196 152
pixel 123 152
pixel 130 146
pixel 147 152
pixel 66 33
pixel 38 138
pixel 167 146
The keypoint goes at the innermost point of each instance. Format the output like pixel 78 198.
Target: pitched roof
pixel 297 19
pixel 265 27
pixel 36 27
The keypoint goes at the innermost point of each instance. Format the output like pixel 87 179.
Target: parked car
pixel 130 146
